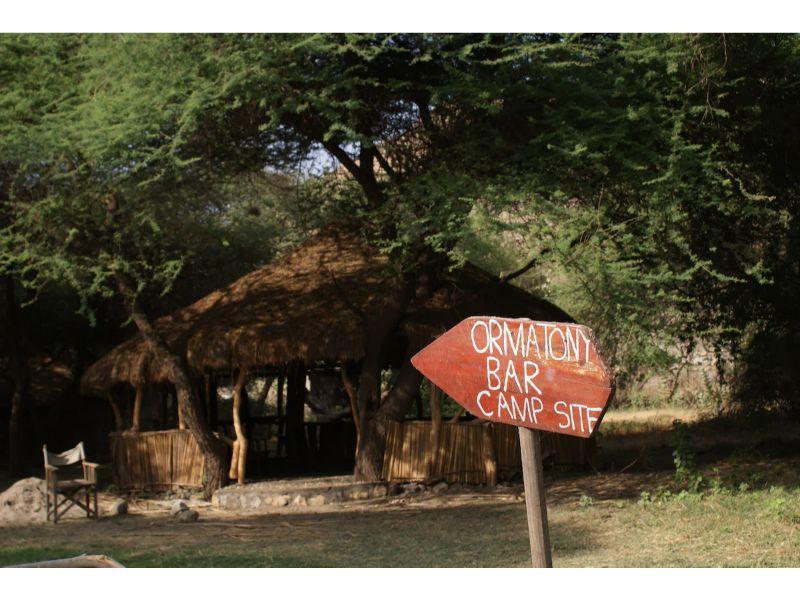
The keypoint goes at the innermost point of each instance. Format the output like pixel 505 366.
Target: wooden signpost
pixel 533 374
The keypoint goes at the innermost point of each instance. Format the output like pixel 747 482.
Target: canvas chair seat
pixel 73 483
pixel 64 492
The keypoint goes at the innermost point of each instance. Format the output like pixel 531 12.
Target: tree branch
pixel 403 392
pixel 368 184
pixel 385 164
pixel 506 277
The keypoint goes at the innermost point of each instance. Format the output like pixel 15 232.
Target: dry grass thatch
pixel 308 305
pixel 50 381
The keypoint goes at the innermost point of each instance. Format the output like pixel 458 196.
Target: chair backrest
pixel 66 458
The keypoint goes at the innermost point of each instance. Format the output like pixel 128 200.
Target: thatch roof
pixel 131 362
pixel 50 381
pixel 307 306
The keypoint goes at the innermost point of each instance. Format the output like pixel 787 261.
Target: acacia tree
pixel 419 123
pixel 32 81
pixel 662 208
pixel 605 134
pixel 422 124
pixel 119 202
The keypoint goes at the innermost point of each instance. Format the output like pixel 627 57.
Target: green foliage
pixel 652 209
pixel 683 456
pixel 651 177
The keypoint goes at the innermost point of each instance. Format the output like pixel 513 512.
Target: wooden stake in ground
pixel 530 447
pixel 136 420
pixel 239 454
pixel 533 374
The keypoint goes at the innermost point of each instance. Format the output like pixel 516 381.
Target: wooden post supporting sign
pixel 530 447
pixel 538 376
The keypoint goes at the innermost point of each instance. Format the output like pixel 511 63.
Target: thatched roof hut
pixel 307 306
pixel 304 311
pixel 50 381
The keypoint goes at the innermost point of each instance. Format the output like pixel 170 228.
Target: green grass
pixel 593 523
pixel 736 507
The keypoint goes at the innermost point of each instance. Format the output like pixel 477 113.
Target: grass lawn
pixel 595 520
pixel 744 512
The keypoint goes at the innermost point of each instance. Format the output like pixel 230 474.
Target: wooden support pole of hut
pixel 295 412
pixel 119 418
pixel 436 433
pixel 207 395
pixel 281 423
pixel 213 403
pixel 239 456
pixel 350 389
pixel 489 459
pixel 162 410
pixel 181 418
pixel 136 419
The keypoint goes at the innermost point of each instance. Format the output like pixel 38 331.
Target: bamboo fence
pixel 156 460
pixel 462 455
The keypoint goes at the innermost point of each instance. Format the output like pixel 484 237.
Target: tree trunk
pixel 212 400
pixel 370 450
pixel 16 463
pixel 188 403
pixel 373 416
pixel 372 443
pixel 352 396
pixel 20 371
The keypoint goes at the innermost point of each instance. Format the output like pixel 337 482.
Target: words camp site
pixel 512 392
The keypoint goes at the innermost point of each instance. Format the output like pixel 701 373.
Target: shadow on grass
pixel 481 535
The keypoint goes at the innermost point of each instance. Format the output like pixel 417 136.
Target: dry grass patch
pixel 747 515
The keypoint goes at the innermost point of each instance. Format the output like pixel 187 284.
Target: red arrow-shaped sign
pixel 533 374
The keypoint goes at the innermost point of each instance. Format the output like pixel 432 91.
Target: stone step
pixel 254 496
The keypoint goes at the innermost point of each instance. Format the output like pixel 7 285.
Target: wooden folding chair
pixel 69 489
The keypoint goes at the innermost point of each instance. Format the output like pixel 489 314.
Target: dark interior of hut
pixel 296 418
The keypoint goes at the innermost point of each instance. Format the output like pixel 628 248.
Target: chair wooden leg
pixel 88 512
pixel 55 507
pixel 96 514
pixel 46 504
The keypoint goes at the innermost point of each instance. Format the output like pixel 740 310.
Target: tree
pixel 421 123
pixel 117 210
pixel 31 81
pixel 661 208
pixel 643 167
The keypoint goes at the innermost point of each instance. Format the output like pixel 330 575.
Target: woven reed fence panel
pixel 506 450
pixel 156 460
pixel 461 457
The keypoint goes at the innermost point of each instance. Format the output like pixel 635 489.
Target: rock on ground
pixel 188 516
pixel 23 501
pixel 177 507
pixel 440 487
pixel 120 507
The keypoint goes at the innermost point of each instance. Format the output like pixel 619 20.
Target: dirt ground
pixel 746 514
